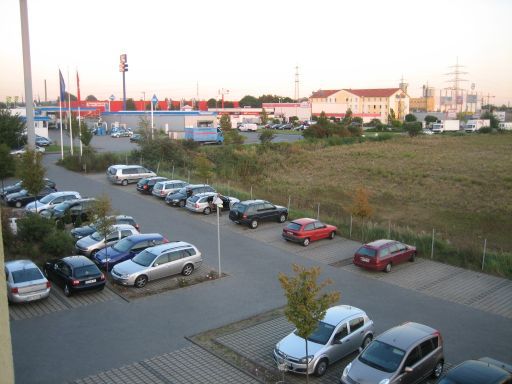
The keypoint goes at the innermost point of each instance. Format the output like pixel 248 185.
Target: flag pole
pixel 69 109
pixel 79 118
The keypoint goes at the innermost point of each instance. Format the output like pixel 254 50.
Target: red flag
pixel 78 86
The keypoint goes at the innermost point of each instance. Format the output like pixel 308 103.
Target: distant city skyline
pixel 180 51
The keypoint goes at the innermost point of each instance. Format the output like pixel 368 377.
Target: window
pixel 384 252
pixel 163 259
pixel 309 227
pixel 394 248
pixel 125 233
pixel 268 206
pixel 175 255
pixel 189 252
pixel 140 246
pixel 66 270
pixel 356 323
pixel 113 236
pixel 319 224
pixel 426 347
pixel 413 358
pixel 342 332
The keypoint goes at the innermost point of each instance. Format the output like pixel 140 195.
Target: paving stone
pixel 37 308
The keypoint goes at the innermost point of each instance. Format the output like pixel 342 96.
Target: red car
pixel 381 255
pixel 307 230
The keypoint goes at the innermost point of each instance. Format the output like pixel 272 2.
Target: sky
pixel 193 49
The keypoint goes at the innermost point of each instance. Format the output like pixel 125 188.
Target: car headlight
pixel 384 381
pixel 305 360
pixel 345 371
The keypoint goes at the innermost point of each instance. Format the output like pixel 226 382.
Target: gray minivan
pixel 124 174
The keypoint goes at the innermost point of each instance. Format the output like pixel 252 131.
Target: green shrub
pixel 34 228
pixel 58 244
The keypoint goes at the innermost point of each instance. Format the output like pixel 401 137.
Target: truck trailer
pixel 205 135
pixel 475 125
pixel 445 126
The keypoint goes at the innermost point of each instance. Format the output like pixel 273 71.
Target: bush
pixel 266 137
pixel 485 130
pixel 413 128
pixel 34 228
pixel 58 244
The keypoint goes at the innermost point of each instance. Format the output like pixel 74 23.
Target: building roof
pixel 378 92
pixel 320 94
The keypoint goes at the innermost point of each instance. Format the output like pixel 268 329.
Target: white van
pixel 248 127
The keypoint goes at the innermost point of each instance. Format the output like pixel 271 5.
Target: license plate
pixel 33 297
pixel 90 281
pixel 365 259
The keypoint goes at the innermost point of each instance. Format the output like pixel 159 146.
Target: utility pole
pixel 45 93
pixel 488 101
pixel 223 92
pixel 123 68
pixel 27 72
pixel 456 80
pixel 297 83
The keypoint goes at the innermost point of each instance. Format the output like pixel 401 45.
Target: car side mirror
pixel 337 341
pixel 408 370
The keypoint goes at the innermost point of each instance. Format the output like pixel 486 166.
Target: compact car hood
pixel 364 374
pixel 86 242
pixel 83 231
pixel 128 267
pixel 295 346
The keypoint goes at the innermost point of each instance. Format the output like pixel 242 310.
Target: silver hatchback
pixel 203 202
pixel 343 330
pixel 158 262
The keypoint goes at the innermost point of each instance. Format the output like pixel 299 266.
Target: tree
pixel 225 123
pixel 68 96
pixel 263 116
pixel 212 103
pixel 306 304
pixel 103 219
pixel 31 172
pixel 91 98
pixel 495 123
pixel 357 120
pixel 410 118
pixel 249 101
pixel 130 105
pixel 7 165
pixel 413 128
pixel 361 206
pixel 348 118
pixel 429 119
pixel 266 137
pixel 12 128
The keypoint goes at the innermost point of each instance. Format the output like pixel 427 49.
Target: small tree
pixel 212 103
pixel 495 123
pixel 102 215
pixel 11 129
pixel 130 105
pixel 306 304
pixel 263 116
pixel 361 207
pixel 31 172
pixel 409 118
pixel 266 137
pixel 225 123
pixel 429 119
pixel 413 128
pixel 7 165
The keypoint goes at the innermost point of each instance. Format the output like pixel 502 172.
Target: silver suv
pixel 343 330
pixel 408 353
pixel 91 244
pixel 157 262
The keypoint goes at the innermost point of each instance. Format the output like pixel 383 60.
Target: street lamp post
pixel 154 100
pixel 218 203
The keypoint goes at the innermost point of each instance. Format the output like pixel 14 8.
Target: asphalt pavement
pixel 71 344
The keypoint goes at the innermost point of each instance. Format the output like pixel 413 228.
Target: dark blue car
pixel 126 249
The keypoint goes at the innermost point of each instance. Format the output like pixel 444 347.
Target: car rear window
pixel 240 207
pixel 85 271
pixel 112 171
pixel 365 251
pixel 293 226
pixel 28 274
pixel 193 199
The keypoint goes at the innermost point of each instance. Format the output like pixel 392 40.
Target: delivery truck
pixel 205 135
pixel 475 125
pixel 446 126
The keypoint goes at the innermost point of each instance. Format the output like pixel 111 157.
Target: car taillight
pixel 102 277
pixel 145 187
pixel 244 216
pixel 48 284
pixel 197 205
pixel 75 282
pixel 14 290
pixel 137 227
pixel 165 240
pixel 162 193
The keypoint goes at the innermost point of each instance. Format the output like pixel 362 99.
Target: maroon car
pixel 381 255
pixel 307 230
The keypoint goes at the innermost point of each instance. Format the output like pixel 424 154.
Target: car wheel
pixel 282 218
pixel 305 242
pixel 187 270
pixel 321 367
pixel 332 235
pixel 182 203
pixel 67 291
pixel 207 211
pixel 254 224
pixel 388 268
pixel 413 257
pixel 438 370
pixel 367 340
pixel 124 182
pixel 18 204
pixel 140 281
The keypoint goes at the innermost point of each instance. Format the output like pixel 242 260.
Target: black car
pixel 87 230
pixel 16 187
pixel 73 208
pixel 74 274
pixel 136 137
pixel 179 198
pixel 146 185
pixel 22 198
pixel 251 212
pixel 484 370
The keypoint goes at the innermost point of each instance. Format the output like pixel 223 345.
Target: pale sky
pixel 253 47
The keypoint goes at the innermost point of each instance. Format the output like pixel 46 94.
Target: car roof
pixel 304 220
pixel 17 265
pixel 339 313
pixel 77 261
pixel 144 236
pixel 125 217
pixel 191 186
pixel 477 372
pixel 122 226
pixel 380 243
pixel 203 194
pixel 158 249
pixel 61 193
pixel 407 334
pixel 171 181
pixel 249 202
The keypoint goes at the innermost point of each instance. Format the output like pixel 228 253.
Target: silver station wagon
pixel 163 188
pixel 158 262
pixel 343 330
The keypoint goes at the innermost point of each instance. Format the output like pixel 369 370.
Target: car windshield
pixel 145 258
pixel 293 226
pixel 321 334
pixel 27 274
pixel 46 199
pixel 364 251
pixel 382 356
pixel 86 271
pixel 96 236
pixel 124 245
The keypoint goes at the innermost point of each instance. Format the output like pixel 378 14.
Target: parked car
pixel 147 184
pixel 343 330
pixel 158 262
pixel 484 370
pixel 23 197
pixel 91 244
pixel 381 255
pixel 204 202
pixel 286 126
pixel 89 229
pixel 16 187
pixel 121 132
pixel 179 198
pixel 74 274
pixel 124 174
pixel 74 208
pixel 126 249
pixel 251 212
pixel 135 138
pixel 163 188
pixel 306 230
pixel 20 151
pixel 408 353
pixel 51 200
pixel 25 282
pixel 42 141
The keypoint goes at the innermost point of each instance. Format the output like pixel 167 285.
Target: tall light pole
pixel 111 98
pixel 223 92
pixel 154 100
pixel 123 68
pixel 27 72
pixel 218 203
